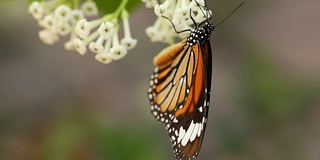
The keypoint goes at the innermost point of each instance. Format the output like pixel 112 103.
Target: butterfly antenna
pixel 230 14
pixel 194 22
pixel 174 27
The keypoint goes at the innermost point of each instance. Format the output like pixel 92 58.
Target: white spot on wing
pixel 155 81
pixel 200 109
pixel 182 132
pixel 195 132
pixel 200 129
pixel 151 83
pixel 155 113
pixel 187 136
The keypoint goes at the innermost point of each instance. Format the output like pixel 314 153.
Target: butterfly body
pixel 179 91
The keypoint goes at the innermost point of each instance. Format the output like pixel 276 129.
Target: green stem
pixel 116 13
pixel 120 8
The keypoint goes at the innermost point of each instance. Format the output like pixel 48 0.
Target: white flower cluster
pixel 100 35
pixel 179 12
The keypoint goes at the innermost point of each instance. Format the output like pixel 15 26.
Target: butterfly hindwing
pixel 187 129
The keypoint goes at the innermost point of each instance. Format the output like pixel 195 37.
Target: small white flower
pixel 62 12
pixel 158 35
pixel 179 13
pixel 89 8
pixel 64 28
pixel 179 23
pixel 36 10
pixel 48 37
pixel 49 22
pixel 106 30
pixel 202 12
pixel 183 12
pixel 83 28
pixel 75 16
pixel 80 46
pixel 163 9
pixel 69 45
pixel 128 42
pixel 152 33
pixel 97 46
pixel 117 51
pixel 103 58
pixel 200 17
pixel 196 4
pixel 161 31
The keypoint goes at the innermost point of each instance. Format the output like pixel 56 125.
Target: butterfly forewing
pixel 170 81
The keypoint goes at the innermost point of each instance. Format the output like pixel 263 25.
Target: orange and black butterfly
pixel 180 87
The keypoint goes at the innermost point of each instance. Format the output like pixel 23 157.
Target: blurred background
pixel 58 105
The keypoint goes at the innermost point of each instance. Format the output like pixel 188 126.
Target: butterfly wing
pixel 179 94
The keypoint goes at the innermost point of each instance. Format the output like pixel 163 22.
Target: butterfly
pixel 180 87
pixel 179 91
